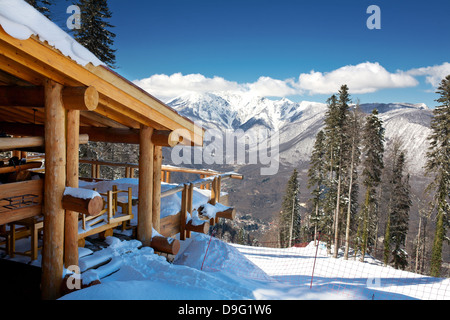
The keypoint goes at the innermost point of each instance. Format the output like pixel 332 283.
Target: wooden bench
pixel 21 204
pixel 109 218
pixel 30 228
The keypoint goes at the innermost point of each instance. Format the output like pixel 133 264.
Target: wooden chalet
pixel 52 104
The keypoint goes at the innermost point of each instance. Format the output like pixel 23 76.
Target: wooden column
pixel 71 225
pixel 190 199
pixel 144 229
pixel 157 162
pixel 183 216
pixel 55 180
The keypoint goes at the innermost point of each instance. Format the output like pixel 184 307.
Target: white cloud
pixel 268 87
pixel 166 87
pixel 362 78
pixel 434 74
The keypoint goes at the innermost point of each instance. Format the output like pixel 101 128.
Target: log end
pixel 203 228
pixel 229 214
pixel 91 98
pixel 166 245
pixel 95 206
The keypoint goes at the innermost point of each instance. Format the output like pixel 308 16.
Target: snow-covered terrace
pixel 56 95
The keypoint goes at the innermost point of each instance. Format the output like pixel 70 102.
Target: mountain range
pixel 299 122
pixel 258 198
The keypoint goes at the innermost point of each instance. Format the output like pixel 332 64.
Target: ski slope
pixel 209 269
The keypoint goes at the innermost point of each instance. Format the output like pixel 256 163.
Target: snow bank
pixel 20 20
pixel 81 193
pixel 211 254
pixel 209 269
pixel 144 275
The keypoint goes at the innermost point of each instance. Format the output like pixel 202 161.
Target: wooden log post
pixel 144 229
pixel 72 168
pixel 156 204
pixel 55 181
pixel 217 193
pixel 189 203
pixel 183 215
pixel 213 199
pixel 166 245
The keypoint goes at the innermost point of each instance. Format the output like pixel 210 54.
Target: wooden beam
pixel 97 120
pixel 113 135
pixel 15 96
pixel 55 181
pixel 22 129
pixel 19 143
pixel 166 245
pixel 89 207
pixel 96 134
pixel 229 214
pixel 202 228
pixel 156 204
pixel 8 144
pixel 144 229
pixel 166 138
pixel 22 167
pixel 80 98
pixel 19 214
pixel 72 179
pixel 74 98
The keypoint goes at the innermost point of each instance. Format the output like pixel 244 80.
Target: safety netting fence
pixel 311 263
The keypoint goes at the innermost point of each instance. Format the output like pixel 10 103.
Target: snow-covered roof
pixel 34 49
pixel 20 20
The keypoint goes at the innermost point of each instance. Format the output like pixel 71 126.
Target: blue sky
pixel 299 49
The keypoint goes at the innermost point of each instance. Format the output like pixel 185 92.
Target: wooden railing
pixel 177 224
pixel 20 200
pixel 171 225
pixel 130 168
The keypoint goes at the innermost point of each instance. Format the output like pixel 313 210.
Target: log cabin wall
pixel 52 101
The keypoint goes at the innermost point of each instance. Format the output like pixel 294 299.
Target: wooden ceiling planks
pixel 32 61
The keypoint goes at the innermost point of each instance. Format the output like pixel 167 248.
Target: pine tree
pixel 95 34
pixel 373 149
pixel 289 222
pixel 397 227
pixel 43 6
pixel 388 184
pixel 353 159
pixel 316 180
pixel 342 139
pixel 335 142
pixel 439 164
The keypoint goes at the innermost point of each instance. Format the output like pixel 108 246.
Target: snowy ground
pixel 252 273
